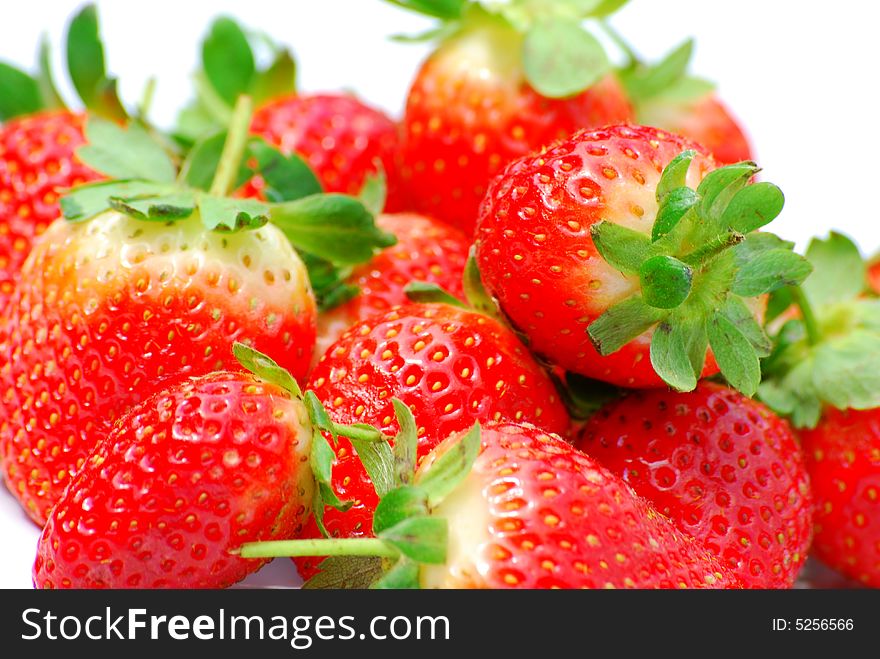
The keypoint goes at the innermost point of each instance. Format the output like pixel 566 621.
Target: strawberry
pixel 186 476
pixel 427 251
pixel 521 509
pixel 637 248
pixel 665 96
pixel 493 90
pixel 451 366
pixel 843 457
pixel 343 139
pixel 721 466
pixel 113 302
pixel 874 276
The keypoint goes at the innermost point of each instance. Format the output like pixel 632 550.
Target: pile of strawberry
pixel 534 335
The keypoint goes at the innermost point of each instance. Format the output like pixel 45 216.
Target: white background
pixel 801 76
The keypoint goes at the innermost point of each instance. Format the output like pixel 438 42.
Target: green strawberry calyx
pixel 827 353
pixel 367 440
pixel 559 55
pixel 22 93
pixel 697 270
pixel 332 232
pixel 407 535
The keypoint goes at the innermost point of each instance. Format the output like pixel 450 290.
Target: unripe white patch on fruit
pixel 486 51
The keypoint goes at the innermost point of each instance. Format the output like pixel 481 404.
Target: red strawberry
pixel 472 108
pixel 37 161
pixel 529 511
pixel 723 467
pixel 843 458
pixel 342 139
pixel 635 248
pixel 181 479
pixel 874 276
pixel 450 366
pixel 427 250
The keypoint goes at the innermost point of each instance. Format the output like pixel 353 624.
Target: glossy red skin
pixel 37 162
pixel 722 466
pixel 706 121
pixel 537 256
pixel 557 518
pixel 428 347
pixel 460 130
pixel 183 478
pixel 74 368
pixel 874 276
pixel 427 250
pixel 843 458
pixel 338 135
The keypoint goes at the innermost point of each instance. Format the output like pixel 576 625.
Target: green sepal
pixel 374 191
pixel 451 468
pixel 770 270
pixel 228 60
pixel 623 248
pixel 753 207
pixel 735 355
pixel 606 8
pixel 163 208
pixel 331 226
pixel 720 185
pixel 230 215
pixel 743 319
pixel 584 396
pixel 420 538
pixel 276 80
pixel 475 290
pixel 328 282
pixel 19 93
pixel 442 9
pixel 646 82
pixel 397 505
pixel 287 178
pixel 403 575
pixel 675 205
pixel 622 323
pixel 674 175
pixel 838 270
pixel 48 92
pixel 86 66
pixel 346 572
pixel 265 368
pixel 85 202
pixel 420 291
pixel 203 159
pixel 406 444
pixel 561 58
pixel 378 462
pixel 678 350
pixel 125 153
pixel 665 281
pixel 318 414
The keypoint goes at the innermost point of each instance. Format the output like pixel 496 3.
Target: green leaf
pixel 278 79
pixel 48 93
pixel 406 444
pixel 420 291
pixel 423 539
pixel 674 176
pixel 607 7
pixel 720 185
pixel 374 191
pixel 561 59
pixel 170 207
pixel 653 80
pixel 753 207
pixel 287 178
pixel 195 122
pixel 404 575
pixel 846 370
pixel 201 163
pixel 228 214
pixel 622 323
pixel 735 355
pixel 444 9
pixel 331 226
pixel 125 153
pixel 87 201
pixel 397 505
pixel 450 468
pixel 85 55
pixel 673 208
pixel 228 60
pixel 265 368
pixel 672 347
pixel 779 302
pixel 19 93
pixel 623 248
pixel 665 281
pixel 743 319
pixel 838 270
pixel 378 463
pixel 346 572
pixel 769 271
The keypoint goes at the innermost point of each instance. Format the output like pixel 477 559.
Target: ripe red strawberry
pixel 450 366
pixel 340 137
pixel 473 108
pixel 874 276
pixel 723 467
pixel 622 254
pixel 181 479
pixel 37 162
pixel 529 511
pixel 843 458
pixel 427 250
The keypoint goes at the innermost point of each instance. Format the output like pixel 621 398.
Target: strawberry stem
pixel 811 324
pixel 233 149
pixel 713 248
pixel 319 547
